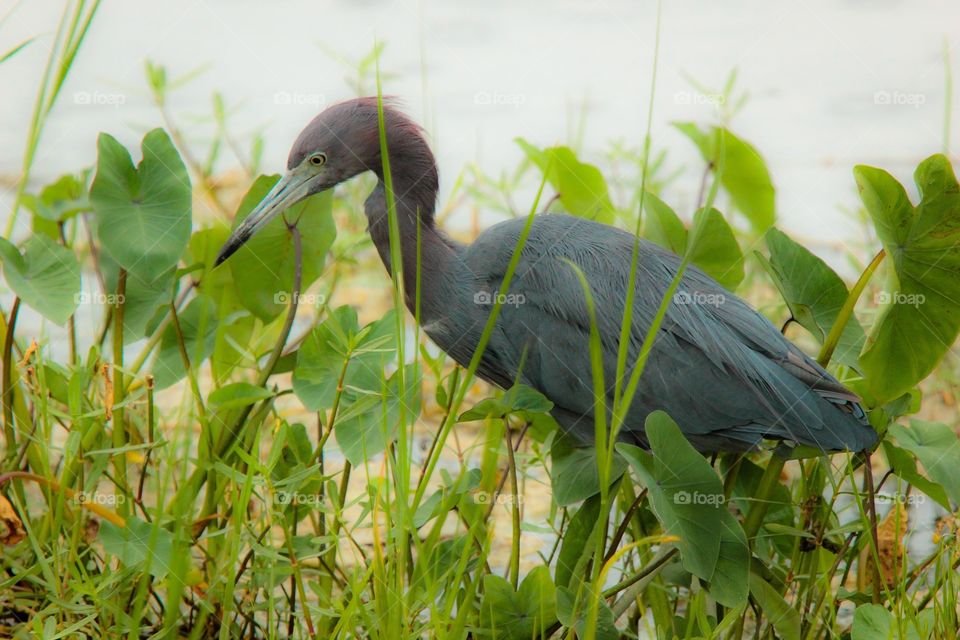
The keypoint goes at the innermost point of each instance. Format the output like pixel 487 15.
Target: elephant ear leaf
pixel 921 315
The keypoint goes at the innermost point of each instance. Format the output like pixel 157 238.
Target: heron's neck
pixel 414 205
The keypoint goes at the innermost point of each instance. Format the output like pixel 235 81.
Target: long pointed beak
pixel 291 189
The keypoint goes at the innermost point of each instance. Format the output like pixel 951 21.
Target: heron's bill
pixel 291 189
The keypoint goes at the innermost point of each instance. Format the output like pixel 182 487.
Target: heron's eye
pixel 318 159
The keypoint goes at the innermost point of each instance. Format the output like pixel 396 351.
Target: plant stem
pixel 846 311
pixel 9 431
pixel 119 428
pixel 769 480
pixel 515 513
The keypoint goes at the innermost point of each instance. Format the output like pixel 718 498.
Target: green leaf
pixel 234 344
pixel 685 492
pixel 239 394
pixel 518 398
pixel 337 340
pixel 59 200
pixel 728 585
pixel 146 299
pixel 872 622
pixel 144 212
pixel 904 466
pixel 715 250
pixel 936 446
pixel 921 317
pixel 663 225
pixel 573 615
pixel 139 543
pixel 814 293
pixel 575 539
pixel 574 475
pixel 263 267
pixel 744 173
pixel 446 497
pixel 522 614
pixel 365 427
pixel 582 189
pixel 198 324
pixel 784 618
pixel 45 276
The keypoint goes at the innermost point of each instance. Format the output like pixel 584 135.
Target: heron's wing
pixel 718 367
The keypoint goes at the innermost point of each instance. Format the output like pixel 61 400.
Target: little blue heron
pixel 719 368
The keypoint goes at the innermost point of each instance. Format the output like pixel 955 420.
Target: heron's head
pixel 341 142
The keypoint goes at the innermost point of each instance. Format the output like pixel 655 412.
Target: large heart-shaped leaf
pixel 45 276
pixel 813 292
pixel 921 318
pixel 743 173
pixel 263 267
pixel 143 212
pixel 685 492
